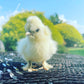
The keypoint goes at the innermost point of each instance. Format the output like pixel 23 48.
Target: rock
pixel 2 48
pixel 68 69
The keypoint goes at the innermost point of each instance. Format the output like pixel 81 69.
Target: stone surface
pixel 2 48
pixel 68 69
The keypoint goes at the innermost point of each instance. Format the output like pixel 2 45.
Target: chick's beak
pixel 27 33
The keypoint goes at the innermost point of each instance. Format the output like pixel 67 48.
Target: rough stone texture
pixel 2 48
pixel 68 69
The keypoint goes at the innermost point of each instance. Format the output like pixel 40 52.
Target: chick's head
pixel 35 29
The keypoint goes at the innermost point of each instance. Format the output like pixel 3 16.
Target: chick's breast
pixel 36 51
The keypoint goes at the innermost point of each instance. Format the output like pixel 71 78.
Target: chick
pixel 38 45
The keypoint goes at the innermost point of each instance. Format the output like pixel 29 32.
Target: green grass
pixel 76 51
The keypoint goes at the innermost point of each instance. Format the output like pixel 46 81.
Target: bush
pixel 13 30
pixel 10 41
pixel 81 44
pixel 62 49
pixel 69 33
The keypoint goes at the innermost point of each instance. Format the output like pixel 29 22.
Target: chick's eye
pixel 29 31
pixel 37 30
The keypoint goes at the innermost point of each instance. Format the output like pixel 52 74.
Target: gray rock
pixel 2 48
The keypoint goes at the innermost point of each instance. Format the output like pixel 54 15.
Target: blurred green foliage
pixel 55 19
pixel 62 49
pixel 80 44
pixel 76 51
pixel 13 30
pixel 63 33
pixel 69 33
pixel 83 36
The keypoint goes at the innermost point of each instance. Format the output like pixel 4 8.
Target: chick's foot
pixel 31 69
pixel 46 66
pixel 28 67
pixel 25 67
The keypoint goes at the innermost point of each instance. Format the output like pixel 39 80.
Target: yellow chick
pixel 38 45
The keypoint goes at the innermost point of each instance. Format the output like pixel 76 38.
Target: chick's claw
pixel 31 69
pixel 47 66
pixel 25 67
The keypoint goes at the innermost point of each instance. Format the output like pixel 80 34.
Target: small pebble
pixel 19 72
pixel 15 68
pixel 12 75
pixel 22 64
pixel 1 72
pixel 1 60
pixel 4 64
pixel 8 59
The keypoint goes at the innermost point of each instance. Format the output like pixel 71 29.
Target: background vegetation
pixel 55 19
pixel 13 30
pixel 69 33
pixel 64 34
pixel 76 51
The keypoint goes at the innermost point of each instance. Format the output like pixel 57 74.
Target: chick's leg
pixel 28 67
pixel 46 66
pixel 25 67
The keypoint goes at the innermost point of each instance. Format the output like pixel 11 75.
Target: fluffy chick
pixel 38 45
